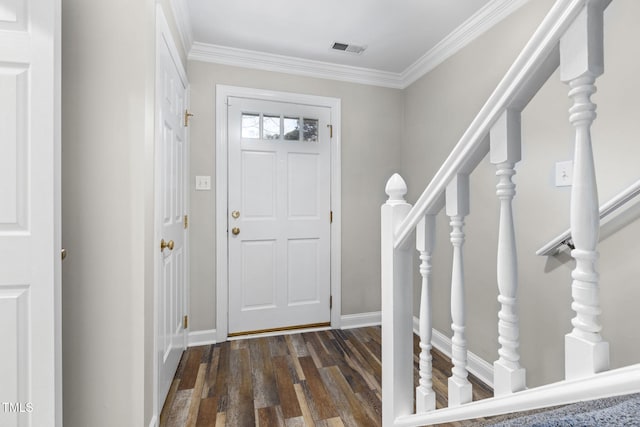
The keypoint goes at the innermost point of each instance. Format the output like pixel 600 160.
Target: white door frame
pixel 223 92
pixel 164 33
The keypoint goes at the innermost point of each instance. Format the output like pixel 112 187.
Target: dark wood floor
pixel 323 379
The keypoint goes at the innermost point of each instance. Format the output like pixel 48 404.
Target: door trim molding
pixel 223 92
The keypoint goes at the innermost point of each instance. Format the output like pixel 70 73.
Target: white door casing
pixel 223 92
pixel 279 205
pixel 30 308
pixel 171 169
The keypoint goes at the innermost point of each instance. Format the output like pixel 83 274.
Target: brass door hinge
pixel 330 302
pixel 331 216
pixel 330 131
pixel 187 114
pixel 186 221
pixel 185 322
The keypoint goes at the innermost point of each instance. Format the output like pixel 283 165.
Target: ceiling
pixel 397 34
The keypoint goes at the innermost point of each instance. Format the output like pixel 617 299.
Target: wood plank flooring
pixel 323 379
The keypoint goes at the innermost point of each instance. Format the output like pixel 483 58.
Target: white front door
pixel 279 215
pixel 171 249
pixel 29 214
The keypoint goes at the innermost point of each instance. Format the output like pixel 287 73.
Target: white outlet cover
pixel 203 183
pixel 564 173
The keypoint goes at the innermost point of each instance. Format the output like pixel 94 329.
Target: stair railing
pixel 617 210
pixel 571 37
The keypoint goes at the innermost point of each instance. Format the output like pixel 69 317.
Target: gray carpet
pixel 613 411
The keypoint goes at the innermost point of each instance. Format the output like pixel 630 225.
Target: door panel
pixel 304 185
pixel 259 184
pixel 29 213
pixel 303 267
pixel 259 275
pixel 279 187
pixel 171 157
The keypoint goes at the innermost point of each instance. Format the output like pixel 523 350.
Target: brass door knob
pixel 235 231
pixel 164 245
pixel 235 214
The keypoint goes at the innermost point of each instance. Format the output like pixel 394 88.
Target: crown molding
pixel 484 19
pixel 180 12
pixel 292 65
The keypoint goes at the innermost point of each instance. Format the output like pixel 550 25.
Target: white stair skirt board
pixel 205 337
pixel 616 382
pixel 475 364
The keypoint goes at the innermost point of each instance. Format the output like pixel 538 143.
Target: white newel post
pixel 581 53
pixel 425 241
pixel 397 309
pixel 505 152
pixel 457 207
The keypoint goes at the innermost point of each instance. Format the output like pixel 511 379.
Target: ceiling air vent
pixel 351 48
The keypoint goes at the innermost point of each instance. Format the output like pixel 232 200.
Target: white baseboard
pixel 475 364
pixel 206 337
pixel 360 320
pixel 616 382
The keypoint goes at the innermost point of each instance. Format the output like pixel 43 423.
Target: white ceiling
pixel 398 34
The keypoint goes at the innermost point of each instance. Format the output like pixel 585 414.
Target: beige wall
pixel 108 84
pixel 439 107
pixel 371 133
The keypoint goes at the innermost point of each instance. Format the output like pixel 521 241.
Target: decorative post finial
pixel 396 189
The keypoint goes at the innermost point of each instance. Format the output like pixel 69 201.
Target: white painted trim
pixel 292 65
pixel 616 382
pixel 361 320
pixel 336 208
pixel 57 220
pixel 488 16
pixel 483 20
pixel 153 422
pixel 475 364
pixel 180 12
pixel 206 337
pixel 222 277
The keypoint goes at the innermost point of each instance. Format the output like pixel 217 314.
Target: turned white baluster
pixel 505 152
pixel 457 207
pixel 425 240
pixel 397 308
pixel 581 53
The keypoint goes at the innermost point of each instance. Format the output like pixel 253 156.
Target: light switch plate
pixel 203 183
pixel 564 173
